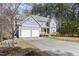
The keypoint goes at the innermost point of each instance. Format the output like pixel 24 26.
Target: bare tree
pixel 9 11
pixel 1 33
pixel 2 27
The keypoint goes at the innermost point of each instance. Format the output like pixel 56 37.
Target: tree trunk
pixel 13 39
pixel 1 38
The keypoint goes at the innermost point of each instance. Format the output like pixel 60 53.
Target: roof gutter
pixel 35 20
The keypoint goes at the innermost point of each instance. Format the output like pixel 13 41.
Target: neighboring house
pixel 34 25
pixel 53 25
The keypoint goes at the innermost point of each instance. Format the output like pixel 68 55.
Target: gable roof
pixel 40 18
pixel 36 18
pixel 54 19
pixel 26 18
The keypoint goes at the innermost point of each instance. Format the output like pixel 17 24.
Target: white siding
pixel 43 24
pixel 53 25
pixel 35 33
pixel 30 28
pixel 30 23
pixel 30 32
pixel 52 30
pixel 26 33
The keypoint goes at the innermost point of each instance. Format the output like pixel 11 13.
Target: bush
pixel 68 35
pixel 6 35
pixel 75 35
pixel 55 34
pixel 4 38
pixel 44 35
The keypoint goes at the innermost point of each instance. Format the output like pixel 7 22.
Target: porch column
pixel 46 30
pixel 42 30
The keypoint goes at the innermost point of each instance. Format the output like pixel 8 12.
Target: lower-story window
pixel 53 30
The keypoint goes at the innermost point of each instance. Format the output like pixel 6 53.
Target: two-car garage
pixel 30 33
pixel 30 28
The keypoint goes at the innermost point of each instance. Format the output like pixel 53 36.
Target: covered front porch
pixel 44 30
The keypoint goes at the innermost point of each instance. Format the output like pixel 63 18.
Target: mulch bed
pixel 17 51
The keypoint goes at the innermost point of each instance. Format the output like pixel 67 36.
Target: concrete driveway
pixel 55 47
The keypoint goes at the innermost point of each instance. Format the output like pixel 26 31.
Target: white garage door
pixel 30 33
pixel 26 33
pixel 35 33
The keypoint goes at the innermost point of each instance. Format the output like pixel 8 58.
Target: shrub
pixel 44 35
pixel 68 35
pixel 55 34
pixel 75 35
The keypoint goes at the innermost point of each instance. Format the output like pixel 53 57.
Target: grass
pixel 21 43
pixel 24 44
pixel 71 39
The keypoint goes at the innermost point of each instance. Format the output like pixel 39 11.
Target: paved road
pixel 55 47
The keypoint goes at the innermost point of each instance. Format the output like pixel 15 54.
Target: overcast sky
pixel 28 6
pixel 25 6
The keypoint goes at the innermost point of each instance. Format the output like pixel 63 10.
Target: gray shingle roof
pixel 36 17
pixel 40 18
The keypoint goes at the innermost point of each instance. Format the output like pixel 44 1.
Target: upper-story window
pixel 30 20
pixel 47 23
pixel 43 24
pixel 52 23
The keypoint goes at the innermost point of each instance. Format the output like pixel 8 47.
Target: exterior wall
pixel 32 25
pixel 29 24
pixel 53 25
pixel 26 28
pixel 52 30
pixel 43 24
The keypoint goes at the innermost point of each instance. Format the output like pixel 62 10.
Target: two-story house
pixel 34 25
